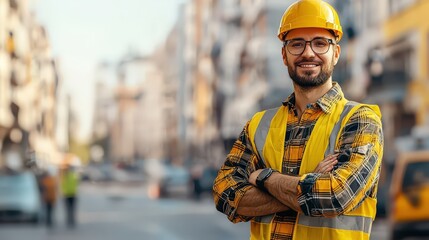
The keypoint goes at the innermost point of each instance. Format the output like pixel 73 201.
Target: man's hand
pixel 327 164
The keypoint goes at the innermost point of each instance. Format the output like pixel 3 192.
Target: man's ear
pixel 337 53
pixel 284 56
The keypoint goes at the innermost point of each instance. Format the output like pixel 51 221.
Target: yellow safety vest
pixel 267 131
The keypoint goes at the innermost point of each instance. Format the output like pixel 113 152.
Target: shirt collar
pixel 326 102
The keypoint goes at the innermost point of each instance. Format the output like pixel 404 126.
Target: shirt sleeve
pixel 232 180
pixel 356 175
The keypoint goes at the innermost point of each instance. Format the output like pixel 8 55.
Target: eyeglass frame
pixel 330 42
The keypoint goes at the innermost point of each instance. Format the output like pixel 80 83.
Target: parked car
pixel 203 183
pixel 19 197
pixel 167 180
pixel 175 181
pixel 97 173
pixel 409 195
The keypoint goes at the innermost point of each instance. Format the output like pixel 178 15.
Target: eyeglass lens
pixel 318 45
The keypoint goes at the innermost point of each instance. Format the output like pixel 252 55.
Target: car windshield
pixel 416 174
pixel 16 184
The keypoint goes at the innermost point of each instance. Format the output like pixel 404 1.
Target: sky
pixel 84 33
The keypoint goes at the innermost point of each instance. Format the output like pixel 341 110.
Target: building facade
pixel 29 90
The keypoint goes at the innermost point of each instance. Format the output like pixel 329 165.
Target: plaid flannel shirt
pixel 356 162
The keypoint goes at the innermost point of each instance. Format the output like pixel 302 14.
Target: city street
pixel 142 107
pixel 124 212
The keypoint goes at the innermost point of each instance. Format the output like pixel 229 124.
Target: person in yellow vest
pixel 273 176
pixel 69 188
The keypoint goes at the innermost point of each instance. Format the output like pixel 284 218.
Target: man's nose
pixel 308 51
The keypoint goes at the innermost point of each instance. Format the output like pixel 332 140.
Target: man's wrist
pixel 262 178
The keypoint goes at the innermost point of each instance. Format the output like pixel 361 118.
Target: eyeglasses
pixel 318 45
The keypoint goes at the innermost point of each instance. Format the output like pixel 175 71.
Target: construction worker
pixel 69 188
pixel 272 178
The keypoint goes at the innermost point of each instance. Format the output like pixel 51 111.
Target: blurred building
pixel 221 63
pixel 168 63
pixel 134 108
pixel 361 64
pixel 130 72
pixel 230 67
pixel 406 58
pixel 29 88
pixel 152 113
pixel 388 67
pixel 105 112
pixel 388 64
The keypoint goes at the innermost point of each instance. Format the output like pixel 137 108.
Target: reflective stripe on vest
pixel 336 130
pixel 344 222
pixel 262 131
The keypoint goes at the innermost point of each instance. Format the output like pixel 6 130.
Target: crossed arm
pixel 354 177
pixel 282 189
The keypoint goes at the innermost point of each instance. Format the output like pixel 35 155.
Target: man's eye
pixel 296 44
pixel 320 43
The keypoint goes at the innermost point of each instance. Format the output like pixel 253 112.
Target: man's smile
pixel 308 65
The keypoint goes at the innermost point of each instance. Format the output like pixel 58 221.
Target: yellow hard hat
pixel 310 14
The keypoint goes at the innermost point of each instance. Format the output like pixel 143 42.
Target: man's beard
pixel 306 81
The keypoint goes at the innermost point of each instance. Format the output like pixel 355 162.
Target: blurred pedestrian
pixel 196 175
pixel 275 175
pixel 49 194
pixel 69 188
pixel 10 45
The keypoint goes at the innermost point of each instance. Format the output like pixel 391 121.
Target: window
pixel 416 174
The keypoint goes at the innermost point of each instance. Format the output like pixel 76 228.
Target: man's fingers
pixel 327 169
pixel 328 160
pixel 327 164
pixel 331 157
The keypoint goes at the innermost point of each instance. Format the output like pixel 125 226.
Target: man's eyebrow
pixel 318 37
pixel 294 39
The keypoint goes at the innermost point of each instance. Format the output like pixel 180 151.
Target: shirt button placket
pixel 292 171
